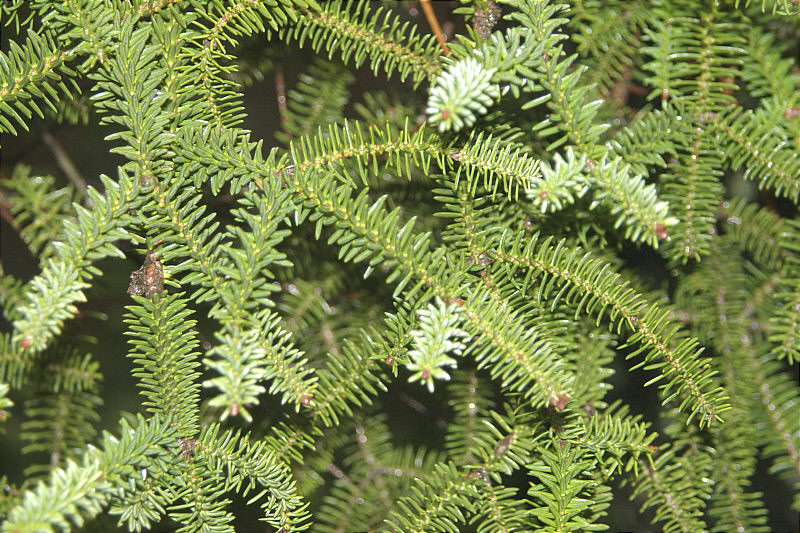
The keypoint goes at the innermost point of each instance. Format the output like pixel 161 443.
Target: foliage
pixel 412 311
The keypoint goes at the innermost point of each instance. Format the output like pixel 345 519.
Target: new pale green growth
pixel 438 338
pixel 462 93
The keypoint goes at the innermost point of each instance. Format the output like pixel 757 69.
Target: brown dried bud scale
pixel 483 20
pixel 149 279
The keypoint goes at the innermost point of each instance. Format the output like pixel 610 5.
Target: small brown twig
pixel 434 24
pixel 5 212
pixel 63 160
pixel 280 88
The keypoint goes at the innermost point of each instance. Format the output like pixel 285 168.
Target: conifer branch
pixel 731 504
pixel 693 189
pixel 52 295
pixel 218 29
pixel 462 92
pixel 28 71
pixel 367 236
pixel 81 490
pixel 268 353
pixel 316 100
pixel 662 479
pixel 447 496
pixel 399 248
pixel 165 350
pixel 470 403
pixel 508 307
pixel 28 194
pixel 628 197
pixel 439 512
pixel 69 389
pixel 589 282
pixel 352 380
pixel 765 72
pixel 608 35
pixel 774 386
pixel 648 141
pixel 558 494
pixel 353 34
pixel 756 231
pixel 749 142
pixel 252 467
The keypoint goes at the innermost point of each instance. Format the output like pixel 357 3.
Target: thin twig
pixel 5 212
pixel 63 160
pixel 280 88
pixel 434 24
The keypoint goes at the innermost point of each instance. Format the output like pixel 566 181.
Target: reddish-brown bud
pixel 559 401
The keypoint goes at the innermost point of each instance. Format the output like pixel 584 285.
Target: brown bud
pixel 527 224
pixel 480 473
pixel 149 279
pixel 484 260
pixel 188 446
pixel 559 401
pixel 483 20
pixel 457 301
